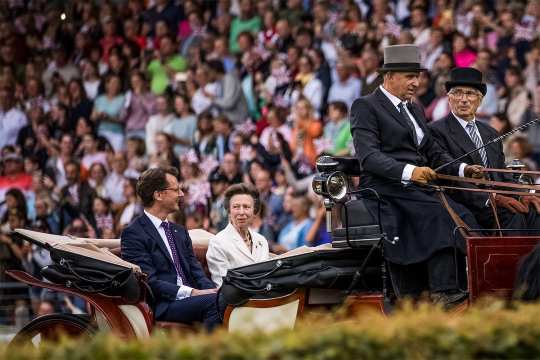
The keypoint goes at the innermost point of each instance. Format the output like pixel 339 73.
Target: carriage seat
pixel 363 228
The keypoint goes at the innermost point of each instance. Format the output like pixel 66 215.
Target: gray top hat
pixel 403 58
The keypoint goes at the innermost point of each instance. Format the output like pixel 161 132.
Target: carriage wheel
pixel 52 327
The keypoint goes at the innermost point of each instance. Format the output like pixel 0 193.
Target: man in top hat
pixel 397 154
pixel 459 133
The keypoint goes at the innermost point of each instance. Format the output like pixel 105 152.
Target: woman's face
pixel 82 127
pixel 128 190
pixel 113 86
pixel 179 105
pixel 136 81
pixel 162 144
pixel 74 89
pixel 302 109
pixel 241 211
pixel 511 79
pixel 186 170
pixel 459 44
pixel 97 173
pixel 99 207
pixel 11 201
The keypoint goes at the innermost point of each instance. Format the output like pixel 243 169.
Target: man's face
pixel 464 101
pixel 402 84
pixel 170 197
pixel 229 164
pixel 12 166
pixel 263 182
pixel 241 211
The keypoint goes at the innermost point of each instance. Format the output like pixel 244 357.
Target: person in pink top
pixel 463 55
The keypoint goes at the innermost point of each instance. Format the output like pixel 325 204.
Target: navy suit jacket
pixel 142 245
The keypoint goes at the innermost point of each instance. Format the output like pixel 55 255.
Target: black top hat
pixel 402 58
pixel 466 76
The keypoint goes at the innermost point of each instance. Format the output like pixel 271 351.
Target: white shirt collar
pixel 394 99
pixel 154 219
pixel 462 122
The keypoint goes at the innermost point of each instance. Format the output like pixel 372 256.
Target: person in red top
pixel 13 175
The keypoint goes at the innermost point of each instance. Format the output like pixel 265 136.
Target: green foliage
pixel 488 330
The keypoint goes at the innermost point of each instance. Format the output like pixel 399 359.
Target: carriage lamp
pixel 524 179
pixel 330 183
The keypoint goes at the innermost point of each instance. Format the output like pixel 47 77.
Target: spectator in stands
pixel 130 208
pixel 346 88
pixel 164 65
pixel 13 174
pixel 76 197
pixel 139 105
pixel 337 131
pixel 103 216
pixel 11 118
pixel 157 123
pixel 230 101
pixel 106 113
pixel 237 244
pixel 182 128
pixel 294 233
pixel 306 128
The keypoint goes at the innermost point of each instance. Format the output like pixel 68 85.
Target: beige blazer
pixel 227 250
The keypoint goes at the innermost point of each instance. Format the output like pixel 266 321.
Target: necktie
pixel 408 121
pixel 176 259
pixel 477 142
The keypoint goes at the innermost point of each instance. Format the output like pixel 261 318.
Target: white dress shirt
pixel 464 124
pixel 227 250
pixel 184 291
pixel 409 168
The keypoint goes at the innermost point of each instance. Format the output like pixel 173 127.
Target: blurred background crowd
pixel 92 93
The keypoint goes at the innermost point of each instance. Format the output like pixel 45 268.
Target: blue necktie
pixel 176 259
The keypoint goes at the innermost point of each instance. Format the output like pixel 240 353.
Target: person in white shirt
pixel 237 245
pixel 12 120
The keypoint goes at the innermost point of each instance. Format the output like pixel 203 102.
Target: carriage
pixel 351 270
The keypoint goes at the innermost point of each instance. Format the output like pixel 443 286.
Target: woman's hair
pixel 20 199
pixel 242 189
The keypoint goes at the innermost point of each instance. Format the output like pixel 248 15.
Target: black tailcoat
pixel 384 144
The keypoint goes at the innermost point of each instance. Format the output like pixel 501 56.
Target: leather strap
pixel 493 205
pixel 488 182
pixel 509 171
pixel 464 229
pixel 491 191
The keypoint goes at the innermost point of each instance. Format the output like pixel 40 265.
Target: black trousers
pixel 445 270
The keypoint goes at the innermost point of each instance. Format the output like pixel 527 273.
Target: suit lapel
pixel 387 104
pixel 151 231
pixel 462 139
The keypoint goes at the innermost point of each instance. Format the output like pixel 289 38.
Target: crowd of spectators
pixel 94 92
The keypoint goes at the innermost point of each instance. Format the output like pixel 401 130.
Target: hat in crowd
pixel 217 176
pixel 12 156
pixel 402 58
pixel 466 76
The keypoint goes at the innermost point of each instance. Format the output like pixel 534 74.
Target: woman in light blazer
pixel 237 245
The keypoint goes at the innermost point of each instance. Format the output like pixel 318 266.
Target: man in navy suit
pixel 459 133
pixel 396 152
pixel 163 250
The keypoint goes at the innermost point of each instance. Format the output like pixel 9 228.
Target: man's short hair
pixel 242 189
pixel 153 180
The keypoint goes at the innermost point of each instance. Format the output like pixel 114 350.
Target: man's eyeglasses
pixel 471 95
pixel 178 189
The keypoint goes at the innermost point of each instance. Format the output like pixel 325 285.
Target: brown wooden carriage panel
pixel 492 263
